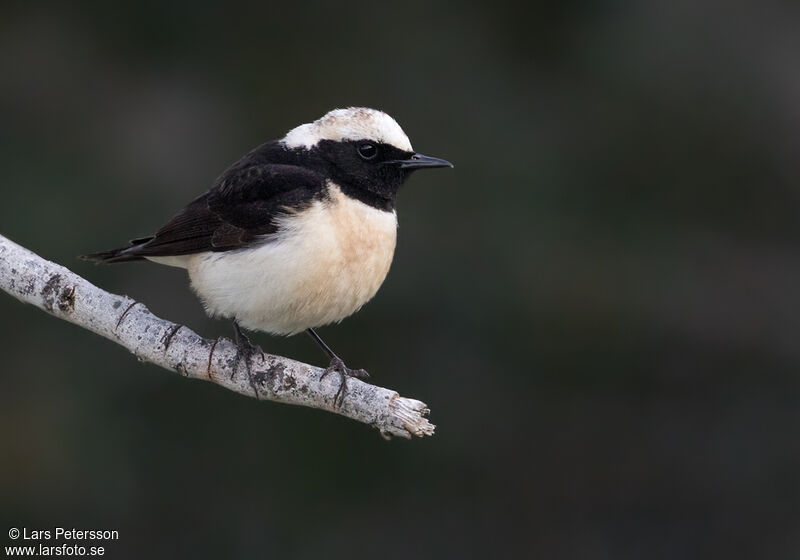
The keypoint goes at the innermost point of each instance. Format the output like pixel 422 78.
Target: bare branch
pixel 64 294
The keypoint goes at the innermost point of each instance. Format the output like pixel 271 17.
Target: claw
pixel 245 350
pixel 337 365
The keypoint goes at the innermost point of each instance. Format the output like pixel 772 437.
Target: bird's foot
pixel 245 350
pixel 337 365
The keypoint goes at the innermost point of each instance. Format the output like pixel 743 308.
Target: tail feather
pixel 124 254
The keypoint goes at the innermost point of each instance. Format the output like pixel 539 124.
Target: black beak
pixel 418 161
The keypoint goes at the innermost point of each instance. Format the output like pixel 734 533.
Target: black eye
pixel 368 151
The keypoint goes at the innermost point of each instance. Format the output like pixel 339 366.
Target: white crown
pixel 353 123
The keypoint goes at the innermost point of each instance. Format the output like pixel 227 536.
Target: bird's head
pixel 362 150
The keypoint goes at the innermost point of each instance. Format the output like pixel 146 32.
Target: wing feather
pixel 238 211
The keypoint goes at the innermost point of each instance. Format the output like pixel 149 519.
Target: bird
pixel 298 233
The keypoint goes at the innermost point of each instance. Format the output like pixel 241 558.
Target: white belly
pixel 324 264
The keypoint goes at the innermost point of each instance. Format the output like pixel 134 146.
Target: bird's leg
pixel 338 366
pixel 245 350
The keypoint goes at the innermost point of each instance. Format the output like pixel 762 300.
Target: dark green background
pixel 599 303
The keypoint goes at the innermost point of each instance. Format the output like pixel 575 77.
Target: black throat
pixel 373 182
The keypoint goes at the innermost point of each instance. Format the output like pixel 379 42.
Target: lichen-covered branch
pixel 65 295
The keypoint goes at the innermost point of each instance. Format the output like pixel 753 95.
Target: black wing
pixel 239 210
